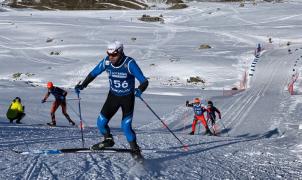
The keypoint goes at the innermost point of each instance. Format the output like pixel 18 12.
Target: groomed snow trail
pixel 249 147
pixel 256 142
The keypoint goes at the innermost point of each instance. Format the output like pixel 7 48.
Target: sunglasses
pixel 114 54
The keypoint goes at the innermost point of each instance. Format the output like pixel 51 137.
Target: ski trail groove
pixel 29 172
pixel 49 170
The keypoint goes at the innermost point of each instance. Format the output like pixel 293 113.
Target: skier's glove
pixel 187 103
pixel 137 92
pixel 78 88
pixel 43 101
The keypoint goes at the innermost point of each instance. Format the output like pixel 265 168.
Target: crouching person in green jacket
pixel 15 111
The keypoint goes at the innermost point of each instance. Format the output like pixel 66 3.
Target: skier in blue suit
pixel 122 71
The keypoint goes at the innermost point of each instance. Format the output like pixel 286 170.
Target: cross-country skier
pixel 15 111
pixel 60 100
pixel 211 112
pixel 199 111
pixel 122 71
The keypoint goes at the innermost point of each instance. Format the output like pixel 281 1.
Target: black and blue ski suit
pixel 121 94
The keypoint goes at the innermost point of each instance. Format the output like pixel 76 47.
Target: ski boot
pixel 191 133
pixel 136 152
pixel 53 123
pixel 108 142
pixel 71 122
pixel 18 122
pixel 208 132
pixel 213 122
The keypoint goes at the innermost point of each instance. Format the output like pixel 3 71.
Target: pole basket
pixel 186 147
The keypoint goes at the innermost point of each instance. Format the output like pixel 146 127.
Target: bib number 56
pixel 118 84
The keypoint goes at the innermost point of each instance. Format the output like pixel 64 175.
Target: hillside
pixel 96 4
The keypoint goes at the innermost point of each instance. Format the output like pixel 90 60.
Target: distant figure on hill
pixel 270 40
pixel 259 48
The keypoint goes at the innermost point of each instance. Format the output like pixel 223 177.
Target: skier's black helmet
pixel 210 103
pixel 18 99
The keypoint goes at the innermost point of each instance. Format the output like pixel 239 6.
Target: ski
pixel 77 150
pixel 54 126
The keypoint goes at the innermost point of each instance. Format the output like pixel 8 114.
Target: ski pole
pixel 185 120
pixel 66 100
pixel 81 120
pixel 222 125
pixel 198 127
pixel 184 146
pixel 73 110
pixel 73 99
pixel 225 128
pixel 212 126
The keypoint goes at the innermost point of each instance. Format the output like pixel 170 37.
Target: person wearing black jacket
pixel 211 112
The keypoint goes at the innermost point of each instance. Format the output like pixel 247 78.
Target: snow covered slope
pixel 259 136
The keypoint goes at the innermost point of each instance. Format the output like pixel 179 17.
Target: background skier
pixel 60 100
pixel 212 116
pixel 211 112
pixel 199 111
pixel 122 71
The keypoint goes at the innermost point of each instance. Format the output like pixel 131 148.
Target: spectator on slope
pixel 15 111
pixel 199 111
pixel 270 40
pixel 60 100
pixel 122 71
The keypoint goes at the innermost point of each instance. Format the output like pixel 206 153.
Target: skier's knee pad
pixel 127 128
pixel 101 123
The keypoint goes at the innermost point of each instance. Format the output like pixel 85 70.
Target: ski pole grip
pixel 77 91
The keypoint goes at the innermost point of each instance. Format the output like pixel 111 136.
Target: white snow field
pixel 260 136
